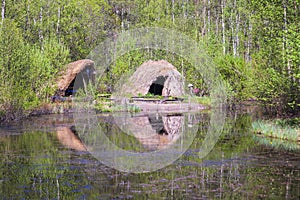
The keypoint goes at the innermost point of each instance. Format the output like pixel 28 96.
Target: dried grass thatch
pixel 72 70
pixel 156 77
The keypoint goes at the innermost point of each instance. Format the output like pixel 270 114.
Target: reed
pixel 276 129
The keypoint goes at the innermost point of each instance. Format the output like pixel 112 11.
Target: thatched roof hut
pixel 155 77
pixel 79 70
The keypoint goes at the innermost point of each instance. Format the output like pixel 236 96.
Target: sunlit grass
pixel 206 101
pixel 111 107
pixel 276 130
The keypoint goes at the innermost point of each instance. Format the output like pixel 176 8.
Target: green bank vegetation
pixel 280 129
pixel 46 169
pixel 254 44
pixel 279 133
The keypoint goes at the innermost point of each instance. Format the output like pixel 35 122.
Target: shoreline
pixel 67 107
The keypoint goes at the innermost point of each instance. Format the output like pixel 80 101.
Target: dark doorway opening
pixel 157 86
pixel 81 80
pixel 70 90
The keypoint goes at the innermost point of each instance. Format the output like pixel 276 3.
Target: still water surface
pixel 45 158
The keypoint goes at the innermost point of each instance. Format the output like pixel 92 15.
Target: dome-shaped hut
pixel 157 78
pixel 80 71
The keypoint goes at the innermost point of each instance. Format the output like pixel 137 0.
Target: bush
pixel 27 71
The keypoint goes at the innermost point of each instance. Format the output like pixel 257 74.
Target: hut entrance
pixel 157 86
pixel 70 90
pixel 82 79
pixel 74 76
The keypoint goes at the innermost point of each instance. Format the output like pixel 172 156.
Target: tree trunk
pixel 122 18
pixel 284 42
pixel 217 21
pixel 3 11
pixel 173 10
pixel 249 41
pixel 204 18
pixel 58 20
pixel 223 25
pixel 208 16
pixel 196 28
pixel 41 37
pixel 237 23
pixel 27 24
pixel 232 25
pixel 185 5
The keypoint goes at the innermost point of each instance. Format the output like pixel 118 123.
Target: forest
pixel 255 44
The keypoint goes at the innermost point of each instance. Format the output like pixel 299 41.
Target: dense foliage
pixel 255 43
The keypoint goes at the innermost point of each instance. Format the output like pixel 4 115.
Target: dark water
pixel 54 157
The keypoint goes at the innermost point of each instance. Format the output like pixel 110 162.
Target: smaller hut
pixel 80 72
pixel 157 78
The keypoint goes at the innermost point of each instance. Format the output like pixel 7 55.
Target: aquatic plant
pixel 273 129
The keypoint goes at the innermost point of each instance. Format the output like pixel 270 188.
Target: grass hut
pixel 157 78
pixel 81 72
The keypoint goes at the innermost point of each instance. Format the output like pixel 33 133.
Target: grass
pixel 277 129
pixel 206 101
pixel 111 107
pixel 292 122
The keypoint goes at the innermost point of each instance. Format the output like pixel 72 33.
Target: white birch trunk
pixel 58 20
pixel 208 16
pixel 284 42
pixel 204 18
pixel 217 21
pixel 232 30
pixel 249 41
pixel 173 10
pixel 196 18
pixel 223 26
pixel 28 16
pixel 122 19
pixel 2 11
pixel 41 37
pixel 237 23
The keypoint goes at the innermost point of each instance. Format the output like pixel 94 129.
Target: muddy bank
pixel 44 109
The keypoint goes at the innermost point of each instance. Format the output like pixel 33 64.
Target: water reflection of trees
pixel 34 165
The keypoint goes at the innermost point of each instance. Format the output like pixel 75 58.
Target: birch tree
pixel 2 11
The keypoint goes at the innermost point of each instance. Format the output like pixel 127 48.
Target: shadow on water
pixel 47 158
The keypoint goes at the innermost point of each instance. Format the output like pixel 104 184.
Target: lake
pixel 205 155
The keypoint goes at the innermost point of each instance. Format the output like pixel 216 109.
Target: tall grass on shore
pixel 280 129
